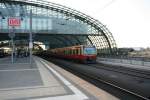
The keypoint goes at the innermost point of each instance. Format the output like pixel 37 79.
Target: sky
pixel 127 20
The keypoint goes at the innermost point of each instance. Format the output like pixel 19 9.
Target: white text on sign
pixel 14 21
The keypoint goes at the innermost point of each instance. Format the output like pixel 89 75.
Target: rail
pixel 96 78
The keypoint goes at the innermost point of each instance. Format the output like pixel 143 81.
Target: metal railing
pixel 141 61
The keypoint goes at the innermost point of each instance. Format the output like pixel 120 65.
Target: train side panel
pixel 74 53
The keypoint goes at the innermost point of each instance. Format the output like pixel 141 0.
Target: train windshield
pixel 89 50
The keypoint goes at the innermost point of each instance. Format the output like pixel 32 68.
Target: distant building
pixel 125 51
pixel 140 53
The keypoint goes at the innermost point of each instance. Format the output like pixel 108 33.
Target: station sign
pixel 14 21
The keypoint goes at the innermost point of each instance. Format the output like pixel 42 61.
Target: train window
pixel 69 52
pixel 65 52
pixel 89 50
pixel 72 52
pixel 77 51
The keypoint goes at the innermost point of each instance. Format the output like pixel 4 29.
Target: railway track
pixel 115 86
pixel 119 69
pixel 107 84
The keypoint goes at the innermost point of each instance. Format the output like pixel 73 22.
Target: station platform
pixel 43 80
pixel 126 63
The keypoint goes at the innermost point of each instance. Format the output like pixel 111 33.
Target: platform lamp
pixel 21 15
pixel 1 18
pixel 2 15
pixel 30 38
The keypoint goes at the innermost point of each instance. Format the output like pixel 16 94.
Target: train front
pixel 90 54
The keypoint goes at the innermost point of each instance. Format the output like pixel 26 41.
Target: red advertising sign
pixel 14 21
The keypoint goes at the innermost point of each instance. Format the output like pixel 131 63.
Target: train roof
pixel 76 46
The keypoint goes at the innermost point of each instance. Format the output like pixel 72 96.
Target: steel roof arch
pixel 97 25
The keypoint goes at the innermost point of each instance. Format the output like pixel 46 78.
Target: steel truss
pixel 97 33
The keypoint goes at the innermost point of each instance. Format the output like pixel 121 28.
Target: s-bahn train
pixel 80 53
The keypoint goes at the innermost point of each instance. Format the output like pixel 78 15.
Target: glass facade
pixel 49 18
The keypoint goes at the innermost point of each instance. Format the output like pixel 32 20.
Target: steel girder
pixel 98 34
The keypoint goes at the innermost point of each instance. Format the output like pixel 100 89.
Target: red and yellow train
pixel 81 53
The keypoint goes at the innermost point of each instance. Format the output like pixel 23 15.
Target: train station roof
pixel 55 25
